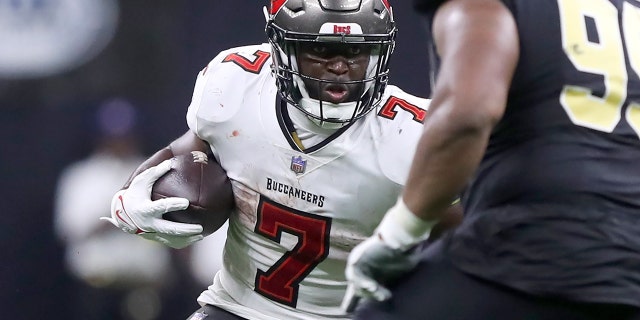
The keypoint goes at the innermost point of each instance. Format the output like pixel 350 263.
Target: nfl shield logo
pixel 298 165
pixel 198 316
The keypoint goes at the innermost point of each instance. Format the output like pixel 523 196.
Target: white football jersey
pixel 299 213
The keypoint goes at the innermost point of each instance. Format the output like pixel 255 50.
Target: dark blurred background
pixel 47 114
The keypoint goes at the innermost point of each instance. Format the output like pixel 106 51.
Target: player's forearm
pixel 469 99
pixel 448 153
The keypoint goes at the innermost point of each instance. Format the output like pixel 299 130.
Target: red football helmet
pixel 350 22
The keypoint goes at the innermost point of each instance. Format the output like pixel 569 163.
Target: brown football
pixel 204 183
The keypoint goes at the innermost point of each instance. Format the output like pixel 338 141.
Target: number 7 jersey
pixel 299 212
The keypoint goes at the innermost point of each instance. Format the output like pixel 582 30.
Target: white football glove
pixel 372 264
pixel 133 211
pixel 384 257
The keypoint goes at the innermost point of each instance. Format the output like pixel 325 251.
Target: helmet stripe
pixel 277 4
pixel 386 4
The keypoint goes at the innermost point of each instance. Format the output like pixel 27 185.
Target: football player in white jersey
pixel 317 147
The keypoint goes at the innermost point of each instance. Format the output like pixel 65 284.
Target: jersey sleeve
pixel 400 134
pixel 221 86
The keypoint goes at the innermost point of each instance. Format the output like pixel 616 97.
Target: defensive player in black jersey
pixel 543 100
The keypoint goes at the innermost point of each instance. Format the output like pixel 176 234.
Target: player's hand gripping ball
pixel 204 183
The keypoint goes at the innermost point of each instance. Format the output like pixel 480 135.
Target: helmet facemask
pixel 298 88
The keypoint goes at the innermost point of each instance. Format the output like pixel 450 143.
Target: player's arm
pixel 477 42
pixel 478 45
pixel 183 145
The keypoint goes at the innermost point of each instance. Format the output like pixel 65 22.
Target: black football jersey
pixel 554 207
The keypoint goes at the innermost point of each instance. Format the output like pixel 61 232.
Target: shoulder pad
pixel 401 121
pixel 222 84
pixel 398 105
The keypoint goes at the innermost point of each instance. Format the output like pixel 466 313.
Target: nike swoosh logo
pixel 123 220
pixel 118 211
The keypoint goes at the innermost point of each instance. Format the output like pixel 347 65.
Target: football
pixel 204 183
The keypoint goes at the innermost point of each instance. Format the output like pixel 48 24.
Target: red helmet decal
pixel 277 4
pixel 386 4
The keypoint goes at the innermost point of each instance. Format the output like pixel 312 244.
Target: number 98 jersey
pixel 299 212
pixel 558 190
